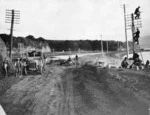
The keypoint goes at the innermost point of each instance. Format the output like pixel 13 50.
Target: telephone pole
pixel 12 16
pixel 101 45
pixel 132 23
pixel 133 29
pixel 107 46
pixel 127 46
pixel 118 45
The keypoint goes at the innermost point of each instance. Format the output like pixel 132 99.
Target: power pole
pixel 11 33
pixel 133 29
pixel 127 47
pixel 107 46
pixel 101 45
pixel 131 23
pixel 12 16
pixel 118 45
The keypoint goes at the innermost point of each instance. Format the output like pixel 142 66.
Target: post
pixel 11 33
pixel 101 45
pixel 107 46
pixel 118 46
pixel 133 29
pixel 127 47
pixel 12 16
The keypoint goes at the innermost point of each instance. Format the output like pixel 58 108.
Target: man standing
pixel 18 67
pixel 5 66
pixel 137 60
pixel 76 57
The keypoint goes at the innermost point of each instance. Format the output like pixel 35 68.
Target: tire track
pixel 67 104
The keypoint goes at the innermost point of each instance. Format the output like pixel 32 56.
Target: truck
pixel 36 61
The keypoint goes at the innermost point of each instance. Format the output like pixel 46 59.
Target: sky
pixel 74 19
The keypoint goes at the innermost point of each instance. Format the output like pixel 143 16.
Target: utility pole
pixel 131 23
pixel 11 33
pixel 118 45
pixel 12 16
pixel 133 29
pixel 107 46
pixel 101 45
pixel 127 46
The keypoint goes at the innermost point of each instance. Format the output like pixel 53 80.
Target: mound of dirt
pixel 110 91
pixel 108 59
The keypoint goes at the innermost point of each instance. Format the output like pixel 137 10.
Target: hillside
pixel 63 45
pixel 28 41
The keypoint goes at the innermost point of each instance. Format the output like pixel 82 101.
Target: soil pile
pixel 110 91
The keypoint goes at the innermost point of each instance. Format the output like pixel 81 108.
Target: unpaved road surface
pixel 82 90
pixel 34 95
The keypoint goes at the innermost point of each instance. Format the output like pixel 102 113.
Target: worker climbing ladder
pixel 133 22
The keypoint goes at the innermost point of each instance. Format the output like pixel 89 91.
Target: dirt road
pixel 35 94
pixel 80 91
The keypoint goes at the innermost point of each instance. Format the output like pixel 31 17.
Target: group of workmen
pixel 137 62
pixel 136 35
pixel 21 66
pixel 69 60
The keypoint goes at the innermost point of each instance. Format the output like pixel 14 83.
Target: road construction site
pixel 78 90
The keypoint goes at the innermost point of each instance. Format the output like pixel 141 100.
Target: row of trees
pixel 85 45
pixel 63 45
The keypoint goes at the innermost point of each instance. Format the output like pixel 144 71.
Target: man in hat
pixel 137 13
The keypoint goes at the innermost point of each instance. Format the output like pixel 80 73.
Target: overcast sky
pixel 74 19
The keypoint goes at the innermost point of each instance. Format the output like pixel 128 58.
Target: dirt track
pixel 80 91
pixel 34 95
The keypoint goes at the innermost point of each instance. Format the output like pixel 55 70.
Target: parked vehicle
pixel 36 61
